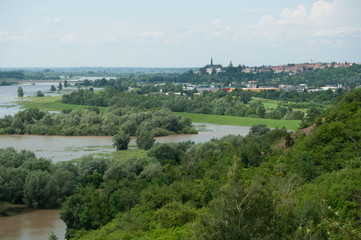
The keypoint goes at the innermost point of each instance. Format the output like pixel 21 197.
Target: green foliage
pixel 86 209
pixel 40 190
pixel 90 121
pixel 168 152
pixel 174 214
pixel 144 137
pixel 20 92
pixel 121 140
pixel 11 184
pixel 52 236
pixel 239 213
pixel 39 93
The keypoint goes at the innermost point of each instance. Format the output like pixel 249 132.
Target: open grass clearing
pixel 241 121
pixel 130 153
pixel 50 103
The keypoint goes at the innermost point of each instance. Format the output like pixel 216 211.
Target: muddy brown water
pixel 33 224
pixel 65 148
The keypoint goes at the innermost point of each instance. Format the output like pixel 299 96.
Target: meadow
pixel 241 121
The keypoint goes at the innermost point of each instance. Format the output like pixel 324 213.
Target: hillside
pixel 233 188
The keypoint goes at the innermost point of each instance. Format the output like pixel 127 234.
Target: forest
pixel 270 184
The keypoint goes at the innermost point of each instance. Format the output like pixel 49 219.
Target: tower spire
pixel 211 61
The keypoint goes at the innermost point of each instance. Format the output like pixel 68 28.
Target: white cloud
pixel 298 16
pixel 217 21
pixel 3 35
pixel 267 20
pixel 68 38
pixel 49 21
pixel 152 34
pixel 339 18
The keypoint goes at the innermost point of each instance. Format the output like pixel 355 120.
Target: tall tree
pixel 121 140
pixel 20 92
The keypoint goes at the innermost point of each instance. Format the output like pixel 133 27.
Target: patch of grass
pixel 50 103
pixel 126 154
pixel 241 121
pixel 267 103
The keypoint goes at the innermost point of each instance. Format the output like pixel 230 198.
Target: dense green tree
pixel 20 92
pixel 52 88
pixel 11 184
pixel 60 86
pixel 144 138
pixel 40 190
pixel 115 172
pixel 121 140
pixel 261 111
pixel 85 210
pixel 39 93
pixel 239 213
pixel 67 181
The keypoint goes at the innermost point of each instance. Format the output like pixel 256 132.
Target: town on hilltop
pixel 290 68
pixel 255 86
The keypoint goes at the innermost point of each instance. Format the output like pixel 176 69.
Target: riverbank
pixel 240 121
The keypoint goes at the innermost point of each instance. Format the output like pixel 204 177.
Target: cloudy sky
pixel 168 33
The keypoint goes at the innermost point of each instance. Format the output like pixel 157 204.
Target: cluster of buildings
pixel 291 69
pixel 253 87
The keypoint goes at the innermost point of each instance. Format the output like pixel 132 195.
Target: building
pixel 213 68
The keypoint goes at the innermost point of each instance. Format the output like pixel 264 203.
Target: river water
pixel 32 224
pixel 9 94
pixel 65 148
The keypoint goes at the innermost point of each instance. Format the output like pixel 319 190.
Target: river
pixel 9 94
pixel 65 148
pixel 37 224
pixel 32 224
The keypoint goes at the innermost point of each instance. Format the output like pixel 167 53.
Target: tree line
pixel 220 103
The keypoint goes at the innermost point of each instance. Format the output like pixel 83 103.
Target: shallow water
pixel 65 148
pixel 9 95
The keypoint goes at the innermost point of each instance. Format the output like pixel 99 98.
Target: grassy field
pixel 267 103
pixel 126 154
pixel 241 121
pixel 49 103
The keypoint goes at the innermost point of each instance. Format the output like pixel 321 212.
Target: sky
pixel 168 33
